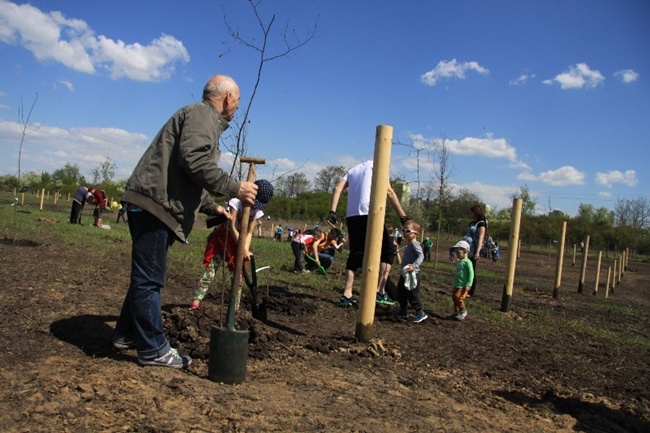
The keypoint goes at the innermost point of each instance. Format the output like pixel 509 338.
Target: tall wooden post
pixel 560 260
pixel 583 271
pixel 575 249
pixel 374 232
pixel 68 196
pixel 609 274
pixel 614 276
pixel 42 198
pixel 515 222
pixel 56 195
pixel 597 277
pixel 22 199
pixel 620 268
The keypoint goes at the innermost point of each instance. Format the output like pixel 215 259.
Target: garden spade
pixel 229 346
pixel 258 308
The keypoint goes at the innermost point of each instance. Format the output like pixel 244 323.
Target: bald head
pixel 223 93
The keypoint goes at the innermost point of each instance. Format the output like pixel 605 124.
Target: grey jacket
pixel 178 171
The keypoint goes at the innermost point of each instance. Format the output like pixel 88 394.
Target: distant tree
pixel 30 181
pixel 327 178
pixel 68 177
pixel 292 185
pixel 529 202
pixel 104 172
pixel 459 204
pixel 9 182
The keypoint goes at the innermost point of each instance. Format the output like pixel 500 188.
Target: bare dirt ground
pixel 305 372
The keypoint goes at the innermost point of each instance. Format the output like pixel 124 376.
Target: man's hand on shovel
pixel 247 192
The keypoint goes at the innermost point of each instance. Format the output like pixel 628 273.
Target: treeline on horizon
pixel 296 198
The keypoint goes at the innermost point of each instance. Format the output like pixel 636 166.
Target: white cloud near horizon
pixel 577 77
pixel 627 75
pixel 615 176
pixel 451 69
pixel 563 176
pixel 71 42
pixel 486 147
pixel 48 148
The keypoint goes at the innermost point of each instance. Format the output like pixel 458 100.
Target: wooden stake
pixel 623 262
pixel 56 195
pixel 597 278
pixel 512 256
pixel 560 260
pixel 620 268
pixel 22 199
pixel 374 232
pixel 614 277
pixel 42 198
pixel 583 271
pixel 609 274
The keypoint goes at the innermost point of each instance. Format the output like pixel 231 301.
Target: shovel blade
pixel 259 312
pixel 228 353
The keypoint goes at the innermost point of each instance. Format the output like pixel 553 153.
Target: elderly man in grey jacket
pixel 175 178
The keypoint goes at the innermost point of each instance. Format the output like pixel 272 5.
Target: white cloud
pixel 521 80
pixel 605 193
pixel 577 77
pixel 497 196
pixel 67 84
pixel 614 176
pixel 563 176
pixel 627 75
pixel 451 69
pixel 48 148
pixel 71 42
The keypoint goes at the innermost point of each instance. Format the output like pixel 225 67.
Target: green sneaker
pixel 347 302
pixel 384 299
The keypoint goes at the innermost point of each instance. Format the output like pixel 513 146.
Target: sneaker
pixel 420 317
pixel 461 315
pixel 195 304
pixel 347 302
pixel 170 359
pixel 123 343
pixel 453 316
pixel 384 299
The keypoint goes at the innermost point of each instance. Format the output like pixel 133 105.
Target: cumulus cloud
pixel 48 148
pixel 451 69
pixel 627 75
pixel 614 176
pixel 578 77
pixel 71 42
pixel 563 176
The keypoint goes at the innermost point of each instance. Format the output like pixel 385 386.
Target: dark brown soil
pixel 544 366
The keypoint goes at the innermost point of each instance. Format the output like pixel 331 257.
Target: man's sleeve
pixel 197 153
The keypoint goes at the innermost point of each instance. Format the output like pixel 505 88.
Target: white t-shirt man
pixel 359 180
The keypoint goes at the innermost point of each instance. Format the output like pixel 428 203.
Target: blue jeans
pixel 326 257
pixel 141 315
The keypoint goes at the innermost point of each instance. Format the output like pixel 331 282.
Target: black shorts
pixel 98 212
pixel 357 227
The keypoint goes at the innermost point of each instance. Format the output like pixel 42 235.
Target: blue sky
pixel 551 94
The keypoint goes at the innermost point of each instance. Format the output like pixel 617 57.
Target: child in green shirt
pixel 462 280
